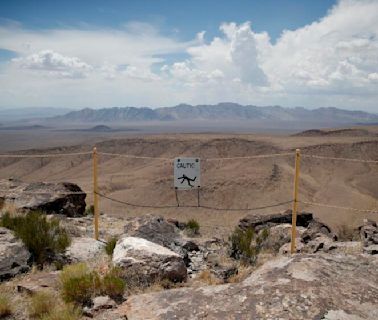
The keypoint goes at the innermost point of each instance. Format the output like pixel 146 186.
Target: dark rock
pixel 178 224
pixel 259 222
pixel 60 198
pixel 369 236
pixel 14 256
pixel 314 228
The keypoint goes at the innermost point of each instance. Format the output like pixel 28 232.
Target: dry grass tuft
pixel 5 305
pixel 63 312
pixel 242 274
pixel 41 304
pixel 207 278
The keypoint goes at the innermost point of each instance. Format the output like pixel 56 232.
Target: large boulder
pixel 259 222
pixel 61 198
pixel 299 287
pixel 148 260
pixel 83 249
pixel 14 256
pixel 158 230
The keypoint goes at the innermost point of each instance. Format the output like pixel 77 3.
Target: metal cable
pixel 341 159
pixel 191 206
pixel 51 155
pixel 337 207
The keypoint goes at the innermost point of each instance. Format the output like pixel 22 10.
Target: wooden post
pixel 95 193
pixel 295 200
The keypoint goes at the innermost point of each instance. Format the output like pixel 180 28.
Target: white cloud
pixel 332 61
pixel 54 64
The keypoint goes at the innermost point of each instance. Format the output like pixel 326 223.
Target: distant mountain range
pixel 16 114
pixel 219 112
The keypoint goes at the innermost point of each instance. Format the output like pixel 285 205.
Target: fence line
pixel 191 206
pixel 261 156
pixel 47 155
pixel 339 159
pixel 337 207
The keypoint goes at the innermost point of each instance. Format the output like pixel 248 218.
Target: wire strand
pixel 337 207
pixel 51 155
pixel 340 159
pixel 191 206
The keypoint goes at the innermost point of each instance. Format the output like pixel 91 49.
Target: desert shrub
pixel 347 233
pixel 110 245
pixel 63 312
pixel 245 245
pixel 193 227
pixel 5 306
pixel 79 284
pixel 89 211
pixel 41 303
pixel 112 285
pixel 43 238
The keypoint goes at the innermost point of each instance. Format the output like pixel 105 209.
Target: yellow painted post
pixel 295 200
pixel 95 193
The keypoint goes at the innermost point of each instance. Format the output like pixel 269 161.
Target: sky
pixel 161 53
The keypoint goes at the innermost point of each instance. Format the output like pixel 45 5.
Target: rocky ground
pixel 173 273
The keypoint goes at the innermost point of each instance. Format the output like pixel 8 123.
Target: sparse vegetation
pixel 245 245
pixel 5 306
pixel 110 245
pixel 63 312
pixel 193 227
pixel 112 285
pixel 41 304
pixel 208 278
pixel 79 284
pixel 89 211
pixel 43 238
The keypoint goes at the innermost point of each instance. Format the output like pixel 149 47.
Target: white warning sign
pixel 187 173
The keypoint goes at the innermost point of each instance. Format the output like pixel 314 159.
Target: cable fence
pixel 99 191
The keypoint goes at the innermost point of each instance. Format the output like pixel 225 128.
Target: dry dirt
pixel 238 183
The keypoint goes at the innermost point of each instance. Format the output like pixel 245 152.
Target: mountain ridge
pixel 220 111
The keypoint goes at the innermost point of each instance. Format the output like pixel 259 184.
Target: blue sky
pixel 153 53
pixel 181 18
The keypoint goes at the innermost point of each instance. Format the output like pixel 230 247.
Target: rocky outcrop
pixel 369 236
pixel 148 260
pixel 84 249
pixel 60 198
pixel 305 287
pixel 14 256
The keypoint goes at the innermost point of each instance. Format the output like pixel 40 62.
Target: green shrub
pixel 193 226
pixel 245 245
pixel 5 306
pixel 79 284
pixel 43 238
pixel 64 312
pixel 110 245
pixel 112 285
pixel 89 211
pixel 41 303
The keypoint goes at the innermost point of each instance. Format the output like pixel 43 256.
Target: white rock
pixel 84 249
pixel 148 258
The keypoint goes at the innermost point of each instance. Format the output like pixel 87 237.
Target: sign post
pixel 95 193
pixel 187 173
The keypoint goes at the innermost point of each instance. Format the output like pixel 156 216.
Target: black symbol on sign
pixel 187 179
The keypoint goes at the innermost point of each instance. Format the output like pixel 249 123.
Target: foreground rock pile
pixel 322 286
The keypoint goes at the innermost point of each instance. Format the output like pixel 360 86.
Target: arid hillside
pixel 228 184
